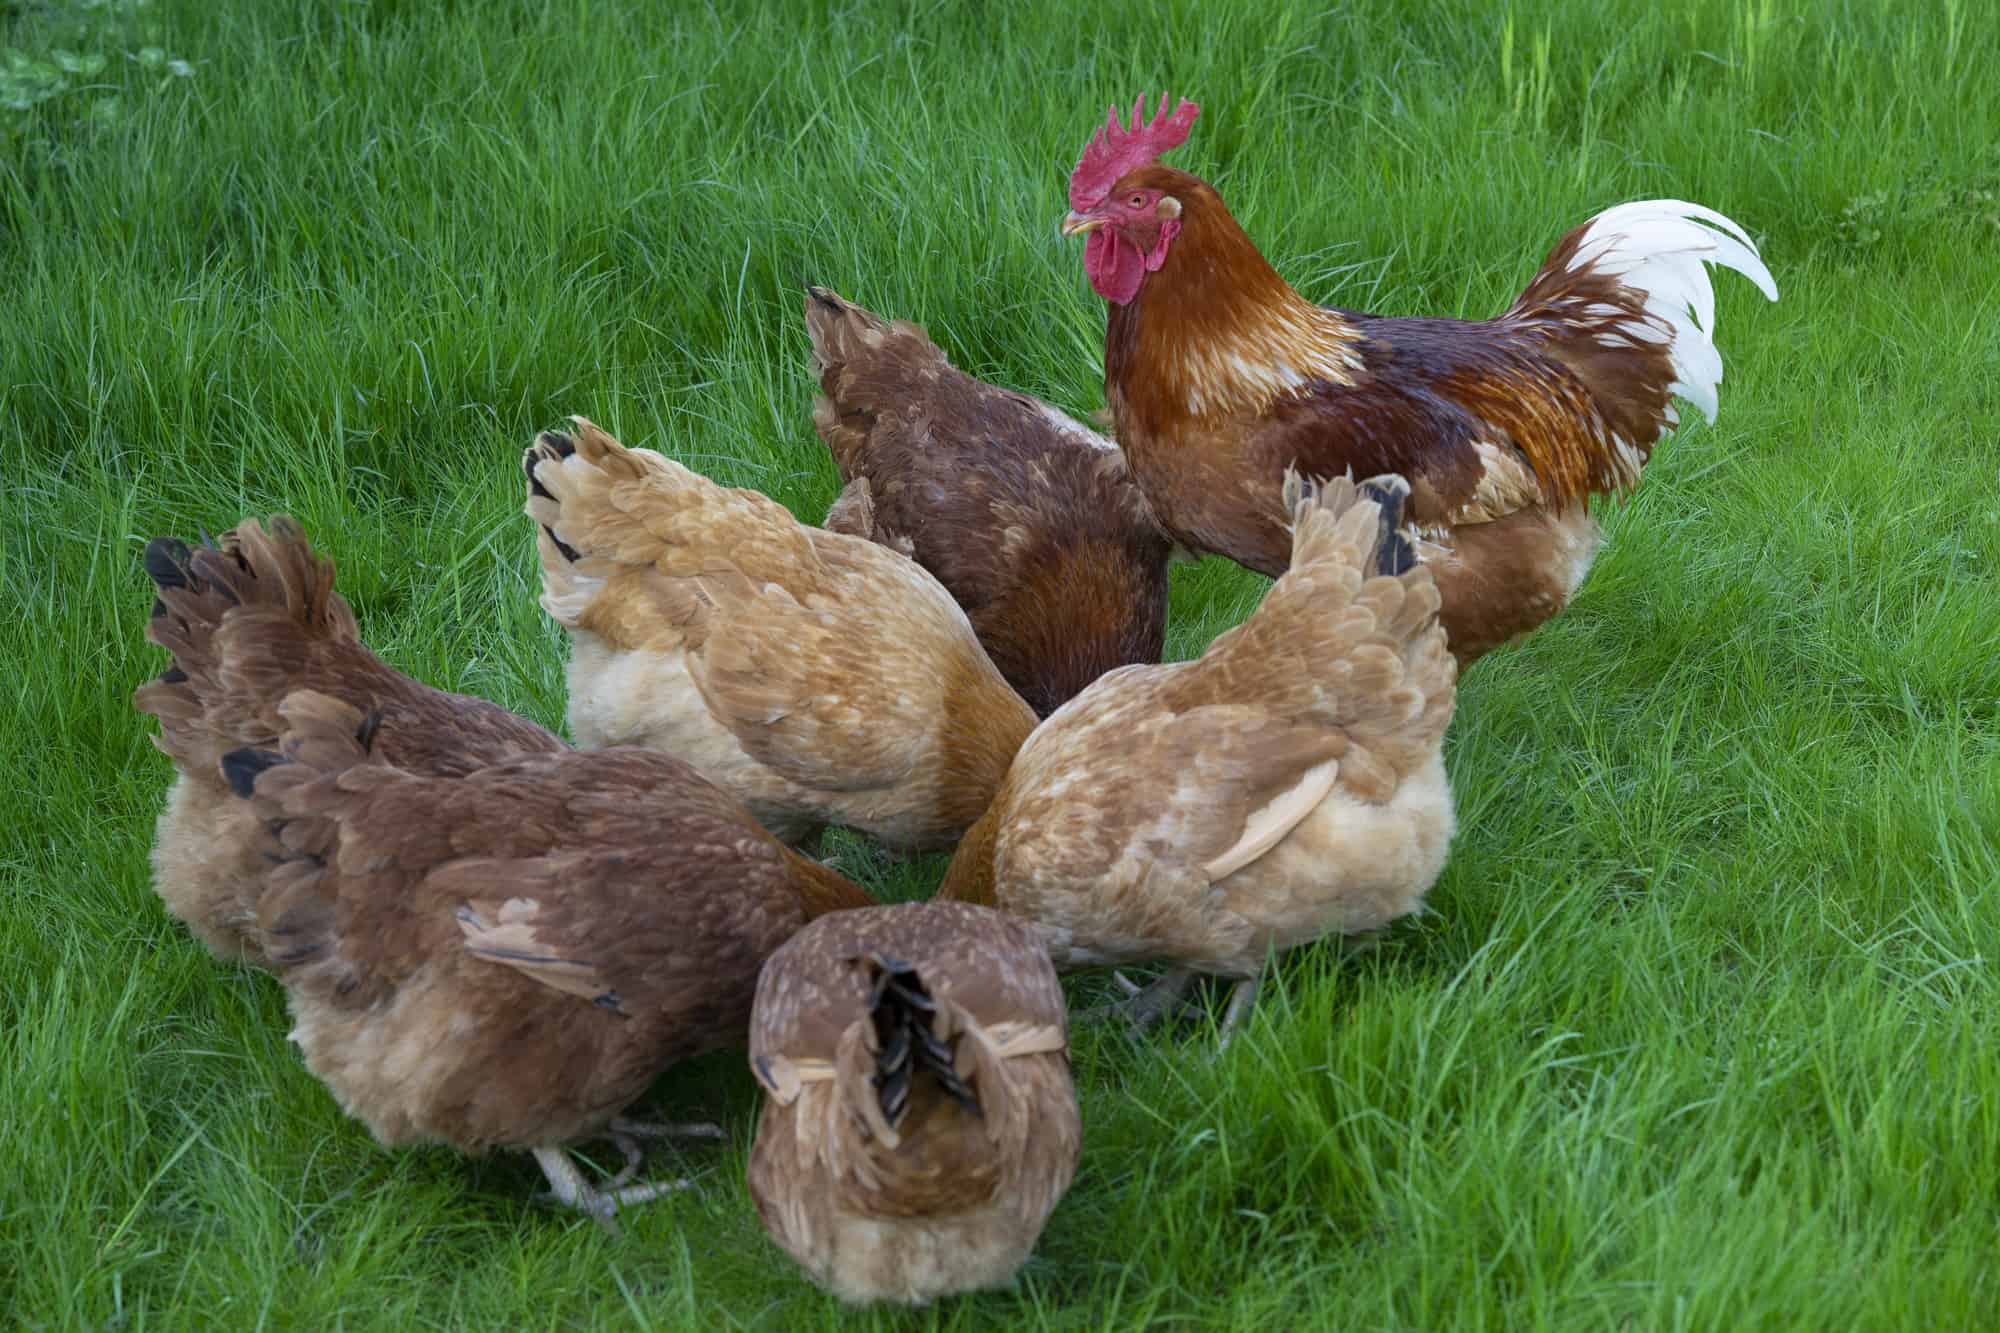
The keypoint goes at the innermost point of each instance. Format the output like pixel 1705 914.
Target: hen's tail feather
pixel 1358 523
pixel 906 1045
pixel 240 768
pixel 297 789
pixel 605 509
pixel 1349 635
pixel 554 446
pixel 866 366
pixel 572 477
pixel 835 324
pixel 1394 554
pixel 269 572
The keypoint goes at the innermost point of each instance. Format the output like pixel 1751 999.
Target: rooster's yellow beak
pixel 1076 224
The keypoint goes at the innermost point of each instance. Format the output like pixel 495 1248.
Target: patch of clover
pixel 60 76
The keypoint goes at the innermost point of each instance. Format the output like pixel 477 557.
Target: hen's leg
pixel 635 1157
pixel 1240 1001
pixel 625 1135
pixel 568 1188
pixel 1145 1006
pixel 666 1129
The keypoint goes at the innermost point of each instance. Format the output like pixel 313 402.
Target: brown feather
pixel 1031 522
pixel 941 1197
pixel 248 622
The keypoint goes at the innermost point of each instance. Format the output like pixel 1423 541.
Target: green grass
pixel 1701 1031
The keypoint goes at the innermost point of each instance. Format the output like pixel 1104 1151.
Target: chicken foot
pixel 1146 1005
pixel 568 1188
pixel 625 1135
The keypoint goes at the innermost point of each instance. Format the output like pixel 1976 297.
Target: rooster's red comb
pixel 1117 150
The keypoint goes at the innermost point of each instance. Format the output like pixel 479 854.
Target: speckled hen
pixel 919 1122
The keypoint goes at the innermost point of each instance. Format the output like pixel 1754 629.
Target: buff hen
pixel 1287 785
pixel 820 677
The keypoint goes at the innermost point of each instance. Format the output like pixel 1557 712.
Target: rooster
pixel 1219 376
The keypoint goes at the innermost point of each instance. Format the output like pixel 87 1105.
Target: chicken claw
pixel 625 1135
pixel 568 1188
pixel 1241 998
pixel 1147 1005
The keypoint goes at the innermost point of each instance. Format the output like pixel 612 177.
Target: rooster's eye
pixel 1138 201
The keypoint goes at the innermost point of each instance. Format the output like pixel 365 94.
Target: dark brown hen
pixel 1030 520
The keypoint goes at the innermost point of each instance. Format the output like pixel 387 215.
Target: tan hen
pixel 820 677
pixel 1286 785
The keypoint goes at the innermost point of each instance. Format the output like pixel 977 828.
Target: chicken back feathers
pixel 820 677
pixel 1220 376
pixel 248 622
pixel 919 1123
pixel 1029 519
pixel 1285 785
pixel 507 957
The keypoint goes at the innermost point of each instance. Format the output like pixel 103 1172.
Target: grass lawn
pixel 1704 1029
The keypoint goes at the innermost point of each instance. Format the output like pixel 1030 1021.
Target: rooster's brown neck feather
pixel 1227 334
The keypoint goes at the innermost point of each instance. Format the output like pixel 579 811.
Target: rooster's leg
pixel 1148 1005
pixel 1240 1000
pixel 568 1188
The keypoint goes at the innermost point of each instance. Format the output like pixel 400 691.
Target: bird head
pixel 1126 201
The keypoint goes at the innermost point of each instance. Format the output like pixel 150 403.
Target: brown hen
pixel 919 1123
pixel 506 957
pixel 1030 520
